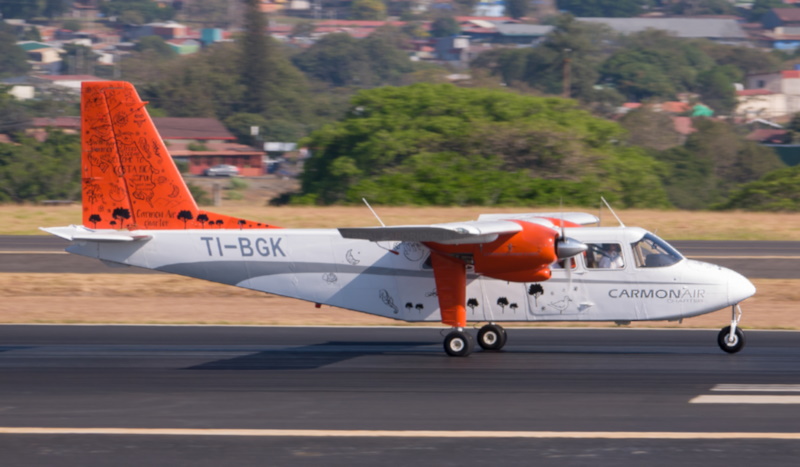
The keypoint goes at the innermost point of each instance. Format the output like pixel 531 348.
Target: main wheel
pixel 492 337
pixel 459 344
pixel 730 345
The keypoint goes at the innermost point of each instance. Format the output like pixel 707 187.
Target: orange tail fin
pixel 129 179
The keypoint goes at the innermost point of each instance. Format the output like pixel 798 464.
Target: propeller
pixel 566 248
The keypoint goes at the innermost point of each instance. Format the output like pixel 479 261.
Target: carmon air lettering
pixel 670 295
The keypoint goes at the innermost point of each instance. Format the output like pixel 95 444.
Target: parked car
pixel 222 170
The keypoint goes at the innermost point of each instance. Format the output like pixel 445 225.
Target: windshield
pixel 652 252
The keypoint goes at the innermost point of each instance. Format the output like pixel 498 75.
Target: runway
pixel 389 396
pixel 754 259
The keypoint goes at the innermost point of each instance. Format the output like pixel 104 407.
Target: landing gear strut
pixel 459 343
pixel 492 337
pixel 731 338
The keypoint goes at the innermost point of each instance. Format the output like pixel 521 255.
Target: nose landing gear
pixel 731 338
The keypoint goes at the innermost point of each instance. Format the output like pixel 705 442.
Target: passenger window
pixel 604 256
pixel 652 252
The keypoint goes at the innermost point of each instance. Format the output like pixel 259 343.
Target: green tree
pixel 702 7
pixel 54 8
pixel 33 171
pixel 713 161
pixel 158 45
pixel 445 26
pixel 209 13
pixel 776 191
pixel 603 8
pixel 145 11
pixel 72 25
pixel 517 8
pixel 650 129
pixel 439 144
pixel 13 116
pixel 13 60
pixel 341 60
pixel 716 87
pixel 573 48
pixel 760 7
pixel 78 59
pixel 337 59
pixel 240 125
pixel 256 72
pixel 20 9
pixel 371 10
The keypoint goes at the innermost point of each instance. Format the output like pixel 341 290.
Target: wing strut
pixel 450 275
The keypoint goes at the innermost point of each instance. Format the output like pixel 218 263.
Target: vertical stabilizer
pixel 129 179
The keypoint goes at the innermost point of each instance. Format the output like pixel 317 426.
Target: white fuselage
pixel 395 280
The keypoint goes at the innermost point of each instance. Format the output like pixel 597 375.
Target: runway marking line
pixel 395 433
pixel 757 387
pixel 27 252
pixel 745 399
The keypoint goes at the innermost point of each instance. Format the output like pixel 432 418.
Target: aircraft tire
pixel 730 347
pixel 459 344
pixel 492 337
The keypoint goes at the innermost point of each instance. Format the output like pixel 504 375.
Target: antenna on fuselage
pixel 390 250
pixel 612 212
pixel 373 212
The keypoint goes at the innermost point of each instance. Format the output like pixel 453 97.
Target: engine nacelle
pixel 524 256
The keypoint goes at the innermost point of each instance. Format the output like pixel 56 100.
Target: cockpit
pixel 620 248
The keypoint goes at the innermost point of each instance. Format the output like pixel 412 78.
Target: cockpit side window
pixel 652 252
pixel 604 256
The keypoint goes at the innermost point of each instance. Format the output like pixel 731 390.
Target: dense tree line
pixel 440 144
pixel 606 67
pixel 34 171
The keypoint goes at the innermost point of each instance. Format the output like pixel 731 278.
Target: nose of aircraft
pixel 739 287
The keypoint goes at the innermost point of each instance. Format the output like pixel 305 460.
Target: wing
pixel 579 218
pixel 455 233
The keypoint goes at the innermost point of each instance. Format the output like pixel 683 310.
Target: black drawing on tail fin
pixel 202 219
pixel 185 216
pixel 122 214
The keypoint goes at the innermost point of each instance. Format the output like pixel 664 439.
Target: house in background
pixel 198 142
pixel 43 58
pixel 770 95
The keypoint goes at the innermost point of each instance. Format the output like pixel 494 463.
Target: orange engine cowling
pixel 521 257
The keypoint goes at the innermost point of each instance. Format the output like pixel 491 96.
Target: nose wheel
pixel 731 338
pixel 492 337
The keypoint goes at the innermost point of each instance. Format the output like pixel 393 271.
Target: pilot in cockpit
pixel 611 257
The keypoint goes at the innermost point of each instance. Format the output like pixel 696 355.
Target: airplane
pixel 530 267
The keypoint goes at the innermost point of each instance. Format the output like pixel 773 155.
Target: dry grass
pixel 162 299
pixel 674 225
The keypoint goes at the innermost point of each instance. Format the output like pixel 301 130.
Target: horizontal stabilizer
pixel 580 218
pixel 455 233
pixel 76 233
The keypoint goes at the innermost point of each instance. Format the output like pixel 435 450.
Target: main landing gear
pixel 460 343
pixel 731 338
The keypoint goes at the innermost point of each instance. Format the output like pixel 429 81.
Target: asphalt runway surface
pixel 390 396
pixel 753 259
